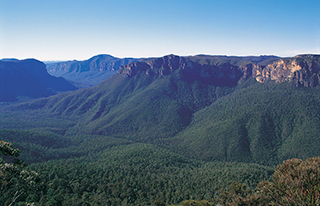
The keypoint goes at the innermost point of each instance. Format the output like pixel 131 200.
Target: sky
pixel 79 29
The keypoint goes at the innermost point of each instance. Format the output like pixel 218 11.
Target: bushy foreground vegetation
pixel 16 183
pixel 295 182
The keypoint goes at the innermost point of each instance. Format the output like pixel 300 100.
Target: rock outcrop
pixel 302 70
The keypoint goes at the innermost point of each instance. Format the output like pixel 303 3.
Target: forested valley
pixel 199 130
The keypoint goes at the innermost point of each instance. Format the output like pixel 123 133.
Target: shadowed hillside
pixel 28 78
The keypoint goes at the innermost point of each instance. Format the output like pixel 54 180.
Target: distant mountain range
pixel 89 72
pixel 249 109
pixel 28 79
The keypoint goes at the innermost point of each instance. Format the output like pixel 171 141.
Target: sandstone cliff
pixel 301 70
pixel 221 74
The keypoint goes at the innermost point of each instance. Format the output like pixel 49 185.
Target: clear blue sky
pixel 80 29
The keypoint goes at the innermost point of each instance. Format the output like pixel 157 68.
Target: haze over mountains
pixel 89 72
pixel 28 78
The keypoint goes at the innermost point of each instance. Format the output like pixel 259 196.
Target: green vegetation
pixel 262 123
pixel 144 174
pixel 295 182
pixel 114 171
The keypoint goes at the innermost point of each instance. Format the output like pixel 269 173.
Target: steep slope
pixel 89 72
pixel 263 123
pixel 28 78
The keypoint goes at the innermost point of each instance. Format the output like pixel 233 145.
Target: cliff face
pixel 156 67
pixel 221 74
pixel 302 70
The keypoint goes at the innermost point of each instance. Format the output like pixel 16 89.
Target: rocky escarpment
pixel 155 67
pixel 302 70
pixel 220 74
